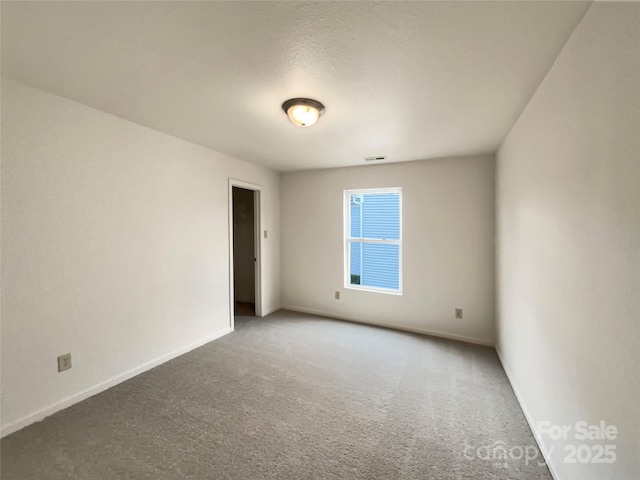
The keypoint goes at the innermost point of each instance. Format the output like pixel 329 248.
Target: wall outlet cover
pixel 458 313
pixel 64 362
pixel 336 295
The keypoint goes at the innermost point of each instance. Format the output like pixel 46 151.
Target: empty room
pixel 255 240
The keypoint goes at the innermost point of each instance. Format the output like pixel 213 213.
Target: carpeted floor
pixel 293 396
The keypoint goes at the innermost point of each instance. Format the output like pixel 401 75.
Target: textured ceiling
pixel 409 80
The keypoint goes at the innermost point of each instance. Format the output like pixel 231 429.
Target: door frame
pixel 257 245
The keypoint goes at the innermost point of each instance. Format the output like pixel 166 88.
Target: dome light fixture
pixel 303 112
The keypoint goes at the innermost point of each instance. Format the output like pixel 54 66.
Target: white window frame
pixel 348 240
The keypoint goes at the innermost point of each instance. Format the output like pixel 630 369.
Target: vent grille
pixel 375 159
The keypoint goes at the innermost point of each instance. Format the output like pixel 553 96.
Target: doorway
pixel 244 241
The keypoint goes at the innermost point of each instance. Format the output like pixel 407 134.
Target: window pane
pixel 375 215
pixel 375 265
pixel 355 205
pixel 355 266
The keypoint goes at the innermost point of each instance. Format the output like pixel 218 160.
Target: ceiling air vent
pixel 374 159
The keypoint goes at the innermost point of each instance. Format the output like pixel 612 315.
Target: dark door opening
pixel 244 252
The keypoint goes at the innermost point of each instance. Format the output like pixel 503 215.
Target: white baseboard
pixel 271 310
pixel 433 333
pixel 528 416
pixel 102 386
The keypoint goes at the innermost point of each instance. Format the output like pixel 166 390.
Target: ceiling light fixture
pixel 303 112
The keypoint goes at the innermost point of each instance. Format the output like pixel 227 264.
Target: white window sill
pixel 374 290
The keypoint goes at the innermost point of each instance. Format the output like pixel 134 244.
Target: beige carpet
pixel 292 396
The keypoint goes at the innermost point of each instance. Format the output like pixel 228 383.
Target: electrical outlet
pixel 458 313
pixel 336 295
pixel 266 235
pixel 64 362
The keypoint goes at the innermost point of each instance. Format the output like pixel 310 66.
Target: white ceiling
pixel 409 80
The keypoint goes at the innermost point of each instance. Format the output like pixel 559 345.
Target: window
pixel 373 239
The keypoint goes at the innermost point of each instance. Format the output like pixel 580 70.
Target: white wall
pixel 448 251
pixel 114 248
pixel 568 240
